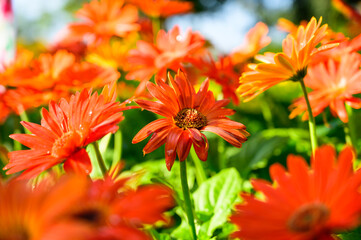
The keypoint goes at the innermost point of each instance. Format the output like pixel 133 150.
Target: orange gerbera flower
pixel 187 114
pixel 37 213
pixel 171 49
pixel 255 40
pixel 162 8
pixel 65 130
pixel 304 203
pixel 104 19
pixel 291 64
pixel 334 84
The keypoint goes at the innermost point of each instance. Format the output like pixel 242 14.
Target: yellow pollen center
pixel 190 118
pixel 308 217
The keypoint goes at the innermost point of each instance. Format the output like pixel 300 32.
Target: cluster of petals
pixel 334 84
pixel 102 19
pixel 162 8
pixel 76 207
pixel 29 83
pixel 169 52
pixel 303 203
pixel 291 64
pixel 66 128
pixel 187 114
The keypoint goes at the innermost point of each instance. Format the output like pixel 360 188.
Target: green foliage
pixel 213 201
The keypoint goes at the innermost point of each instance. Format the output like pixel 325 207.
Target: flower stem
pixel 24 117
pixel 351 137
pixel 155 27
pixel 187 198
pixel 311 119
pixel 117 155
pixel 200 174
pixel 266 111
pixel 99 158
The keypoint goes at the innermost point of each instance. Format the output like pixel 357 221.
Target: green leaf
pixel 351 235
pixel 214 200
pixel 261 146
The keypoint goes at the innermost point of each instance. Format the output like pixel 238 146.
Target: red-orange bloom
pixel 223 72
pixel 115 211
pixel 37 213
pixel 75 207
pixel 186 113
pixel 64 132
pixel 291 64
pixel 104 19
pixel 334 84
pixel 171 49
pixel 162 8
pixel 304 203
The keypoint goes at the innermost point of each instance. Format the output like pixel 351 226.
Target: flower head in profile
pixel 114 210
pixel 291 64
pixel 162 8
pixel 76 207
pixel 65 130
pixel 187 114
pixel 170 51
pixel 255 40
pixel 334 84
pixel 103 19
pixel 38 213
pixel 303 203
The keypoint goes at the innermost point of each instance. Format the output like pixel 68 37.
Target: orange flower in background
pixel 349 12
pixel 59 71
pixel 303 203
pixel 255 40
pixel 37 213
pixel 65 130
pixel 187 114
pixel 162 8
pixel 103 19
pixel 223 72
pixel 291 64
pixel 171 49
pixel 334 84
pixel 22 99
pixel 113 53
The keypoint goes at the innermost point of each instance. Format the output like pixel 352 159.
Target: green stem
pixel 118 139
pixel 17 145
pixel 351 128
pixel 187 198
pixel 311 119
pixel 200 174
pixel 99 158
pixel 24 117
pixel 155 27
pixel 266 111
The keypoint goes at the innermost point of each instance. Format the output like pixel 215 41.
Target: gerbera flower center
pixel 308 217
pixel 300 74
pixel 190 118
pixel 66 144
